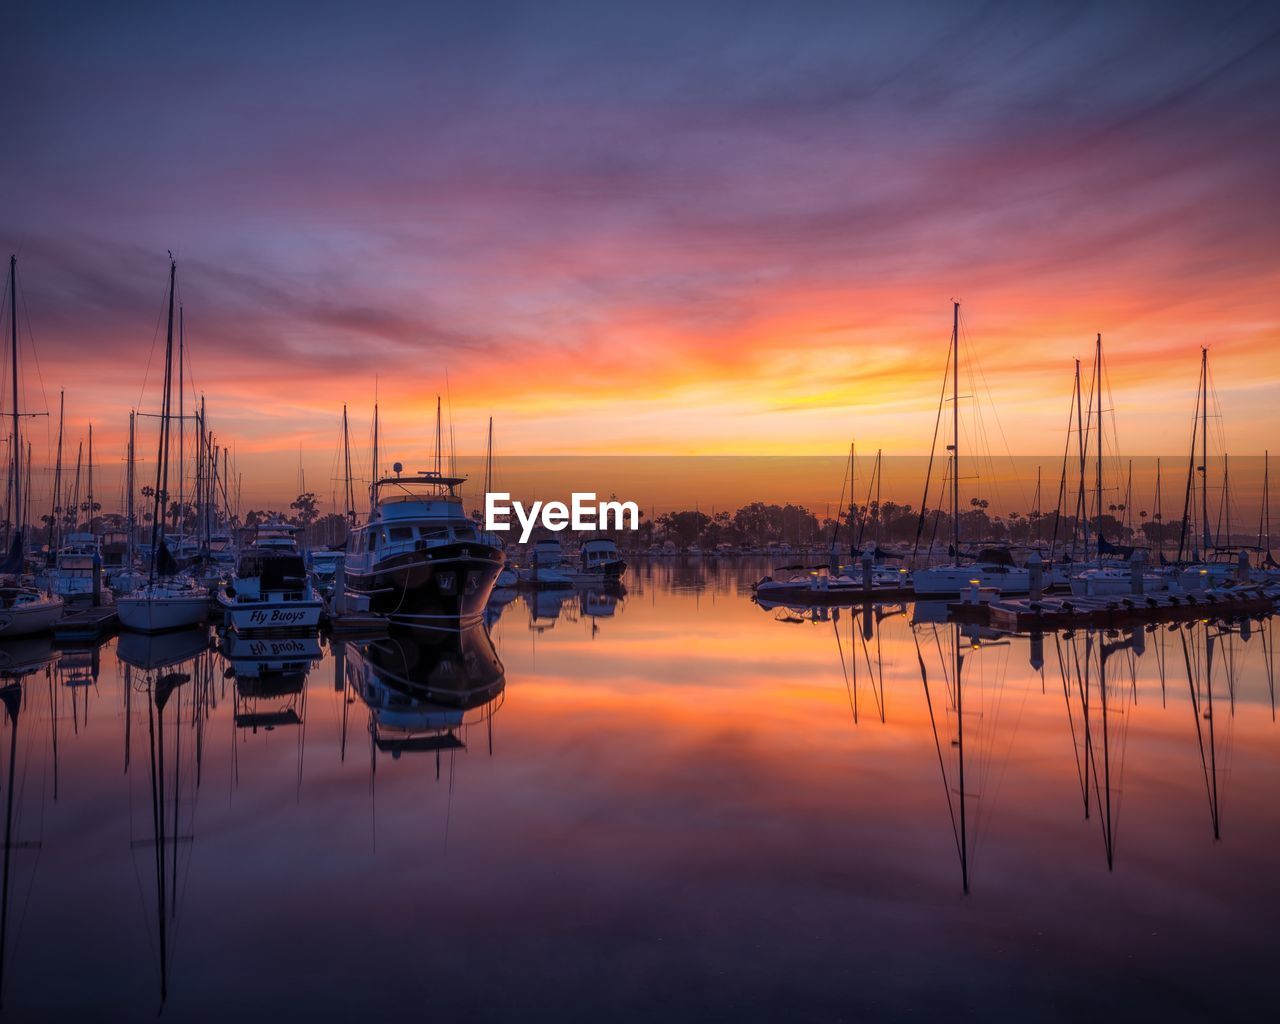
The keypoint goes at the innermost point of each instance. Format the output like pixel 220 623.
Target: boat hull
pixel 439 586
pixel 157 615
pixel 942 581
pixel 266 616
pixel 30 619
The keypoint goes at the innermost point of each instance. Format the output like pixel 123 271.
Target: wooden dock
pixel 1114 611
pixel 362 624
pixel 86 623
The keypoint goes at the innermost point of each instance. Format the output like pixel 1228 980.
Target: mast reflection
pixel 19 659
pixel 173 673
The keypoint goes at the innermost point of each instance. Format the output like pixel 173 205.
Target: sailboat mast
pixel 162 462
pixel 55 519
pixel 89 496
pixel 1158 514
pixel 1097 365
pixel 181 523
pixel 955 429
pixel 348 495
pixel 488 460
pixel 1204 447
pixel 16 515
pixel 1082 511
pixel 129 487
pixel 373 484
pixel 438 468
pixel 1264 515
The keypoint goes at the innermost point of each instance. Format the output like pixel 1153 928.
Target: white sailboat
pixel 166 601
pixel 989 570
pixel 24 610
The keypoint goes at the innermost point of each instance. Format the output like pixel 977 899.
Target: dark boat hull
pixel 439 586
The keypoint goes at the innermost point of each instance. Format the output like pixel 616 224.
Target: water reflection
pixel 692 802
pixel 21 661
pixel 424 690
pixel 168 678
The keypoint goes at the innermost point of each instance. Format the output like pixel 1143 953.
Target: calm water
pixel 674 806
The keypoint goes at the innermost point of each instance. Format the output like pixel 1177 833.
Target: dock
pixel 361 624
pixel 86 623
pixel 1049 613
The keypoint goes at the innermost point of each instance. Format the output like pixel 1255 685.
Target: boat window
pixel 435 535
pixel 373 539
pixel 464 533
pixel 402 533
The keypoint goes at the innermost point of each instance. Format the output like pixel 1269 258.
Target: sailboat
pixel 942 580
pixel 1104 576
pixel 166 601
pixel 24 610
pixel 1203 571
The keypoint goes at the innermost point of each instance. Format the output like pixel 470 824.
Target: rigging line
pixel 155 335
pixel 31 339
pixel 871 673
pixel 933 448
pixel 937 743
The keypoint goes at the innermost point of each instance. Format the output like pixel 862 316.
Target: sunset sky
pixel 688 227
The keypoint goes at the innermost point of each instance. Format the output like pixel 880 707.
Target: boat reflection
pixel 426 690
pixel 168 678
pixel 546 607
pixel 270 678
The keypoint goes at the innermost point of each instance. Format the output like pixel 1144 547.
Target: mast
pixel 1082 511
pixel 348 494
pixel 1225 504
pixel 1097 364
pixel 488 460
pixel 128 498
pixel 1191 471
pixel 879 452
pixel 1264 514
pixel 1158 514
pixel 16 515
pixel 438 466
pixel 373 484
pixel 955 437
pixel 181 522
pixel 1204 448
pixel 162 462
pixel 55 518
pixel 89 496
